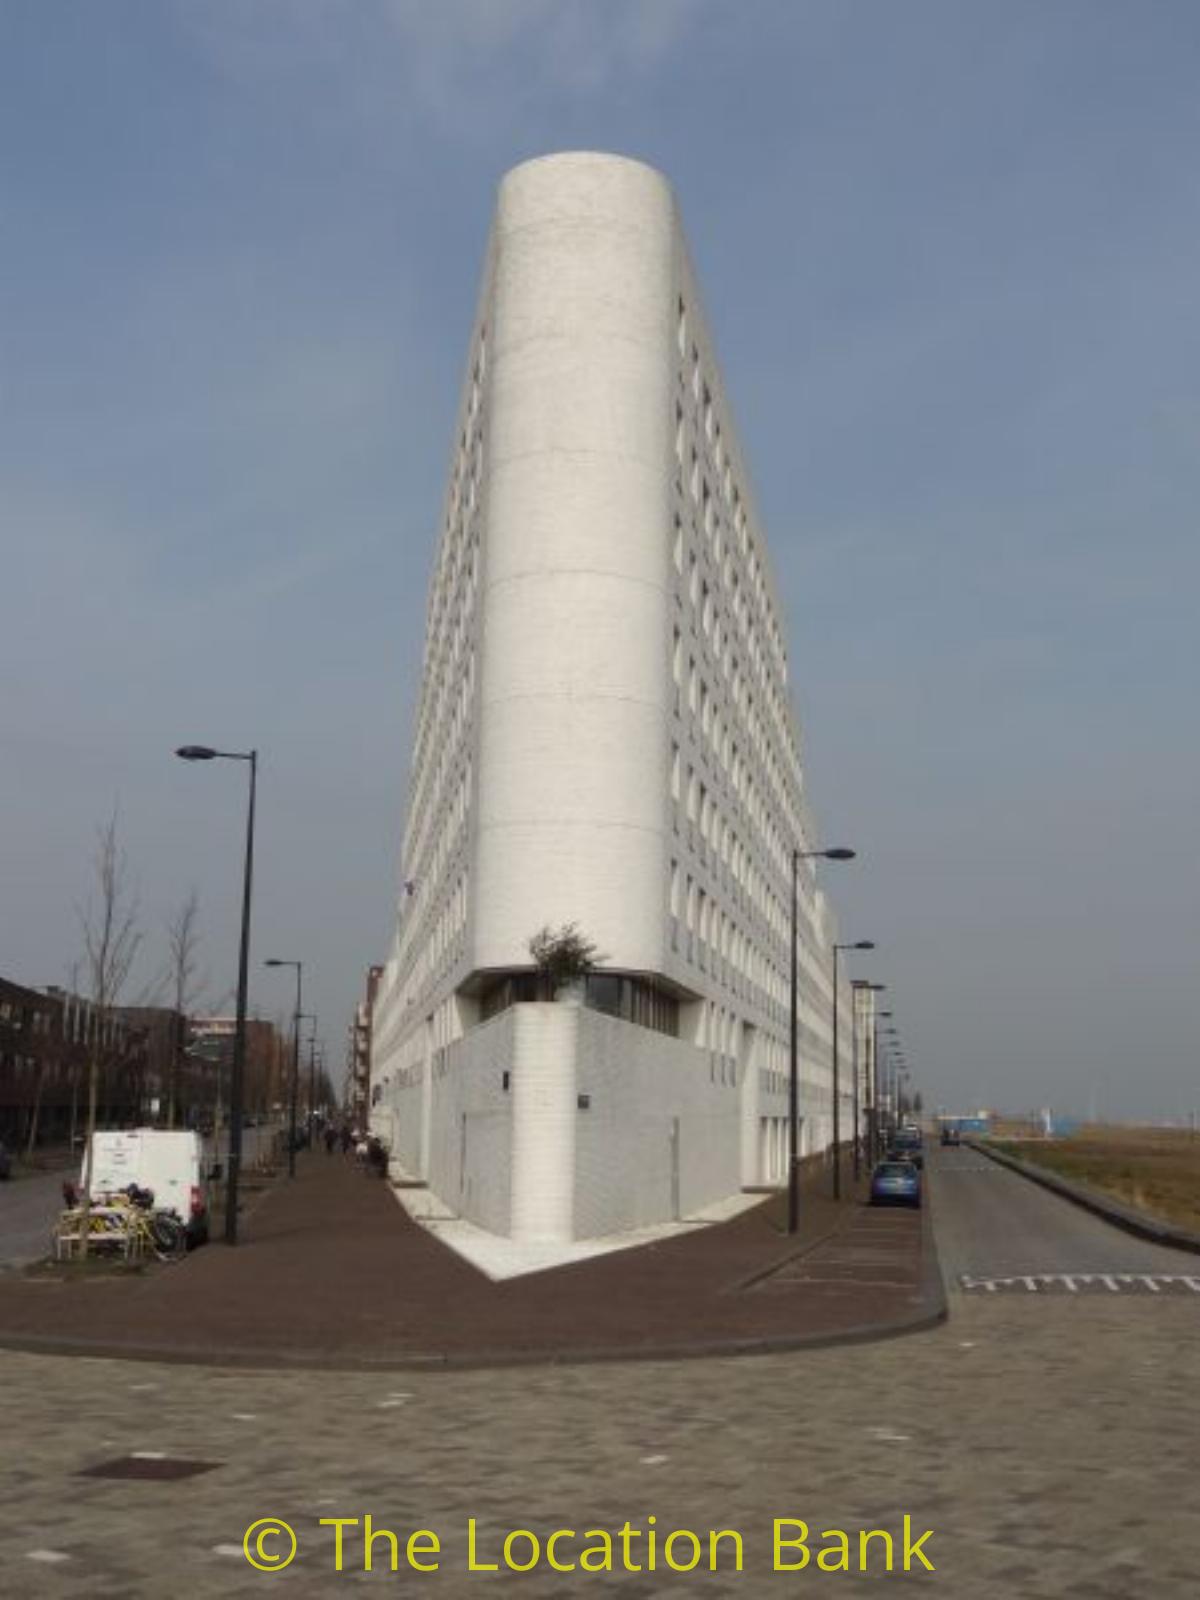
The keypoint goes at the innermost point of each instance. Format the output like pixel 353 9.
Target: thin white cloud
pixel 467 66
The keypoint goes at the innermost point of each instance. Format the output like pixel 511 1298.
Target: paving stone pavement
pixel 1050 1443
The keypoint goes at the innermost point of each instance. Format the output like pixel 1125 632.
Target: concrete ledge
pixel 917 1321
pixel 1102 1205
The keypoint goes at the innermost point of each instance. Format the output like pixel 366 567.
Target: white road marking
pixel 47 1555
pixel 654 1461
pixel 245 1416
pixel 1114 1282
pixel 227 1550
pixel 149 1455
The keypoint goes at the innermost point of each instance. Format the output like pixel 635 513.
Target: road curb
pixel 453 1361
pixel 1121 1216
pixel 931 1310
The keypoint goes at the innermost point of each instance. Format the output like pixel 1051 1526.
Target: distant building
pixel 267 1066
pixel 360 1051
pixel 48 1040
pixel 605 737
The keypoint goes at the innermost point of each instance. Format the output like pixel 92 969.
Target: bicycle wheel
pixel 167 1235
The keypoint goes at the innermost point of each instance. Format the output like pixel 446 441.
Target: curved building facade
pixel 604 738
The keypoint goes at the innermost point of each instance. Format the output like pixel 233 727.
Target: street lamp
pixel 203 752
pixel 861 944
pixel 299 966
pixel 312 1073
pixel 866 987
pixel 894 1051
pixel 876 1129
pixel 838 853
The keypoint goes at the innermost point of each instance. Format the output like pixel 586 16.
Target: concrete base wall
pixel 661 1133
pixel 553 1122
pixel 470 1125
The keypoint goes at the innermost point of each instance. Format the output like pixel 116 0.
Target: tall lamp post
pixel 203 752
pixel 876 1117
pixel 312 1073
pixel 299 966
pixel 861 944
pixel 892 1047
pixel 863 986
pixel 839 853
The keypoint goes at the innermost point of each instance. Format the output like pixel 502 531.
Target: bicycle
pixel 126 1222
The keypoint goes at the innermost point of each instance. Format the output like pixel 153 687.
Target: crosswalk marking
pixel 1073 1282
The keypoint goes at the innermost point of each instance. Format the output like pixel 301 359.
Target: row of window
pixel 752 618
pixel 634 999
pixel 708 456
pixel 765 735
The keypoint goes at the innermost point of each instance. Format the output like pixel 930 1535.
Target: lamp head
pixel 195 752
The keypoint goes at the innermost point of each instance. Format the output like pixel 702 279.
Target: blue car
pixel 895 1183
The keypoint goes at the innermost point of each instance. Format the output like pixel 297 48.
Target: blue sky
pixel 950 252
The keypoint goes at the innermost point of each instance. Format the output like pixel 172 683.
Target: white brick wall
pixel 543 1122
pixel 650 1096
pixel 470 1117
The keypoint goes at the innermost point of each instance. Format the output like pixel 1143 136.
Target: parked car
pixel 896 1183
pixel 168 1162
pixel 906 1142
pixel 5 1162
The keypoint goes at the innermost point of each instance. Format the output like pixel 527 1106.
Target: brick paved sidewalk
pixel 332 1272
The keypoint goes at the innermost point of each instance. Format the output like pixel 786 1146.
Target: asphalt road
pixel 28 1207
pixel 992 1223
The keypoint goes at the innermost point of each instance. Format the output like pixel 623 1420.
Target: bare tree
pixel 110 941
pixel 182 940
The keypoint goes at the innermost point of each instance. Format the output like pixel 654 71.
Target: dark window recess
pixel 584 1102
pixel 637 1000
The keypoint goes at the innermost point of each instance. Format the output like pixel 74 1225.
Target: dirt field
pixel 1155 1169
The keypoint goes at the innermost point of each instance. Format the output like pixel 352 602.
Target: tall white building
pixel 604 738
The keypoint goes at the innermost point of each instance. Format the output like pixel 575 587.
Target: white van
pixel 167 1161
